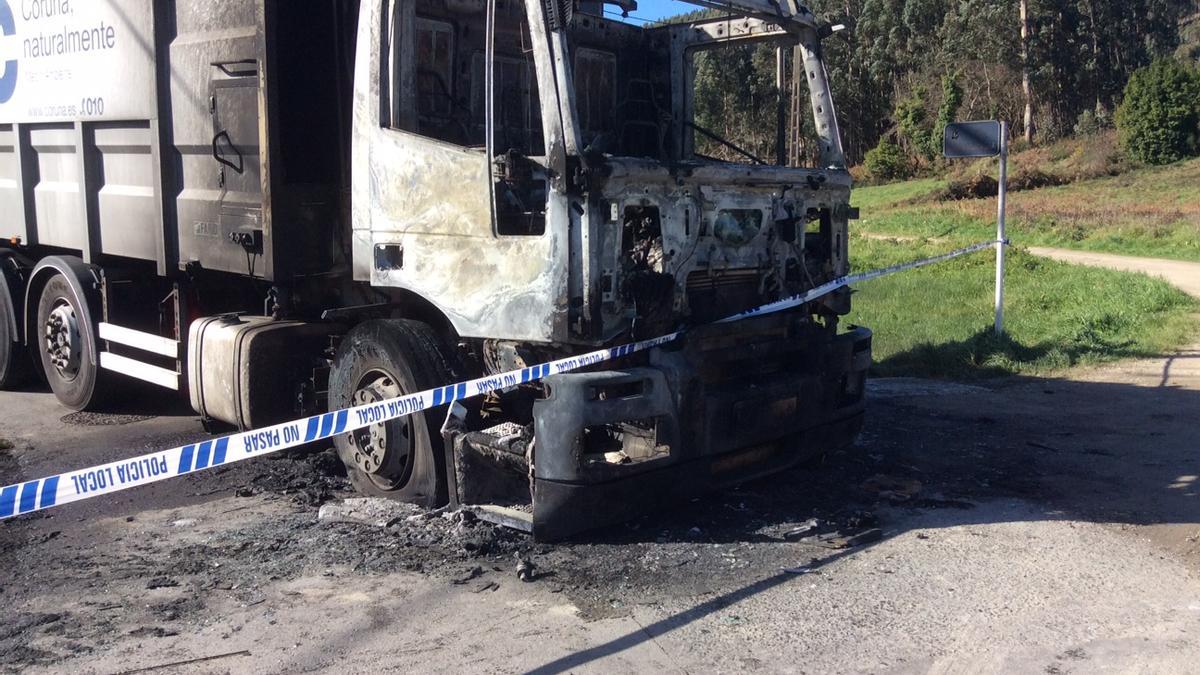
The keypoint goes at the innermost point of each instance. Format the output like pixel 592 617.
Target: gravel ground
pixel 1028 525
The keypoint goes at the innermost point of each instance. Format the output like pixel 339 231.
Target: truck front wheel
pixel 401 458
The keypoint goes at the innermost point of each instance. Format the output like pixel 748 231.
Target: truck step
pixel 142 371
pixel 146 342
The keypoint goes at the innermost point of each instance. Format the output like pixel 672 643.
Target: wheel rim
pixel 384 451
pixel 64 346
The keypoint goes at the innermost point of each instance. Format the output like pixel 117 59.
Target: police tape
pixel 73 486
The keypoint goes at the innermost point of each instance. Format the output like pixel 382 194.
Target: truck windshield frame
pixel 651 91
pixel 615 88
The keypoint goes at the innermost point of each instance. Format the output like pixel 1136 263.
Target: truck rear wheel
pixel 13 356
pixel 400 459
pixel 68 356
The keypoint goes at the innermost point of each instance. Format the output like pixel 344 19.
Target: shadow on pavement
pixel 679 620
pixel 985 353
pixel 1120 453
pixel 131 398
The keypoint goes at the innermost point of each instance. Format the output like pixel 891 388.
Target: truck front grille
pixel 750 351
pixel 719 294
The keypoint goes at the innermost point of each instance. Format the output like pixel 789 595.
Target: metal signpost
pixel 986 139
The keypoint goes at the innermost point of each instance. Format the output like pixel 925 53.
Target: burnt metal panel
pixel 431 198
pixel 305 79
pixel 216 124
pixel 255 123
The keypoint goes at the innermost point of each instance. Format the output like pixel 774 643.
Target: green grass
pixel 1152 212
pixel 937 321
pixel 875 197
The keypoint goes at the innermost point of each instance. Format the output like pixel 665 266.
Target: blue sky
pixel 651 10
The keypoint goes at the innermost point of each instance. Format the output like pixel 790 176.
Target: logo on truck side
pixel 8 81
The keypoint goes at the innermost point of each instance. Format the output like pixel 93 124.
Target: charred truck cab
pixel 323 203
pixel 593 221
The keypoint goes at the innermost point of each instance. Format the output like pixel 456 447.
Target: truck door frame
pixel 416 195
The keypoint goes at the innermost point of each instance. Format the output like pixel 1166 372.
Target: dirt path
pixel 1185 275
pixel 1180 370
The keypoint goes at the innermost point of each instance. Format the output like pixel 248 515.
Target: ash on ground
pixel 709 543
pixel 240 528
pixel 310 479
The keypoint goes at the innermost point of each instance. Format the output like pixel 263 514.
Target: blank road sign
pixel 972 139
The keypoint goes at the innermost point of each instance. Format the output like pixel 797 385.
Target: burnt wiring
pixel 682 264
pixel 801 258
pixel 251 262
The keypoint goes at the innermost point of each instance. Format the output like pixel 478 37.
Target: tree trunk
pixel 1026 85
pixel 1099 73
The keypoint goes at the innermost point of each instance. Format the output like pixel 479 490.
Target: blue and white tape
pixel 73 486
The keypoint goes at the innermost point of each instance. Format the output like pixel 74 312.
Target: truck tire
pixel 68 356
pixel 14 359
pixel 399 459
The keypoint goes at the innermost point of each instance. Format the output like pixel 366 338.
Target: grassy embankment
pixel 937 321
pixel 1147 211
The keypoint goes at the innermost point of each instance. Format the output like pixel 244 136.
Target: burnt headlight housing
pixel 737 227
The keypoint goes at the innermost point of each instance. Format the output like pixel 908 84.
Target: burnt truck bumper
pixel 716 410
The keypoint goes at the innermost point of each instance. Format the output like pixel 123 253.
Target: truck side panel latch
pixel 252 240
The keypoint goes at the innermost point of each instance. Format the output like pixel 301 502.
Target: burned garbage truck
pixel 285 207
